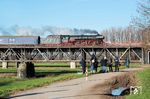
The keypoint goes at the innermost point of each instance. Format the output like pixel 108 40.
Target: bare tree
pixel 144 12
pixel 142 22
pixel 122 34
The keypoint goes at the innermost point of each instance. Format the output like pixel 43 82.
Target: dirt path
pixel 92 88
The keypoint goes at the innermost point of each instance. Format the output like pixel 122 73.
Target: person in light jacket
pixel 103 63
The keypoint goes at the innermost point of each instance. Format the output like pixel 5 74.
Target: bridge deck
pixel 74 46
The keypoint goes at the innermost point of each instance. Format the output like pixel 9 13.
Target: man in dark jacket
pixel 83 64
pixel 116 64
pixel 95 64
pixel 110 64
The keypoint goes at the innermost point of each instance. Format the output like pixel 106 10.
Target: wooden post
pixel 129 53
pixel 142 61
pixel 86 78
pixel 83 54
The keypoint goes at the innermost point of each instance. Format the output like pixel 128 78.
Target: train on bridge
pixel 67 48
pixel 95 39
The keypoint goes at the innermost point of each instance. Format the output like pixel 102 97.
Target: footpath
pixel 93 87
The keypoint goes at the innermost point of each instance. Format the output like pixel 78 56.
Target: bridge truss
pixel 48 54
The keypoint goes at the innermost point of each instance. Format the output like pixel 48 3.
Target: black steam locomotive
pixel 73 39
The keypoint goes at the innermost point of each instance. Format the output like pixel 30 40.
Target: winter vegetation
pixel 122 34
pixel 138 29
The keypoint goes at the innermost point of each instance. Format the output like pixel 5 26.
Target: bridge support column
pixel 72 64
pixel 25 70
pixel 4 65
pixel 83 54
pixel 60 55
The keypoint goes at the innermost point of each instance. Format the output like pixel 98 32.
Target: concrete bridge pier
pixel 25 70
pixel 4 65
pixel 72 64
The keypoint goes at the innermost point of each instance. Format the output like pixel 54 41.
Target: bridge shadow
pixel 87 95
pixel 103 96
pixel 54 73
pixel 5 83
pixel 54 66
pixel 30 94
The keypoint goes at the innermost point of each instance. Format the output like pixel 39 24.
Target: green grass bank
pixel 144 81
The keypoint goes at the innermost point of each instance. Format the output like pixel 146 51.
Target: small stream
pixel 119 86
pixel 120 91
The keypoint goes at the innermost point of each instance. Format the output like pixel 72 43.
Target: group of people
pixel 104 62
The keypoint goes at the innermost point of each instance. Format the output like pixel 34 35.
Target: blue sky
pixel 81 14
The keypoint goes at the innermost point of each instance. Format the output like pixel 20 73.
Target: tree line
pixel 137 31
pixel 122 34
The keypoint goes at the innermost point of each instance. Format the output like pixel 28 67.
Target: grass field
pixel 44 76
pixel 10 85
pixel 46 73
pixel 144 81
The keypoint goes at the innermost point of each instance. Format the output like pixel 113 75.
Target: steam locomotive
pixel 52 40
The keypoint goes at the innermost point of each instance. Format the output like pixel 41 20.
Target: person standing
pixel 110 64
pixel 92 65
pixel 104 64
pixel 95 65
pixel 93 60
pixel 83 64
pixel 116 64
pixel 127 62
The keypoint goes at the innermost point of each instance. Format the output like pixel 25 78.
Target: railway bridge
pixel 22 54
